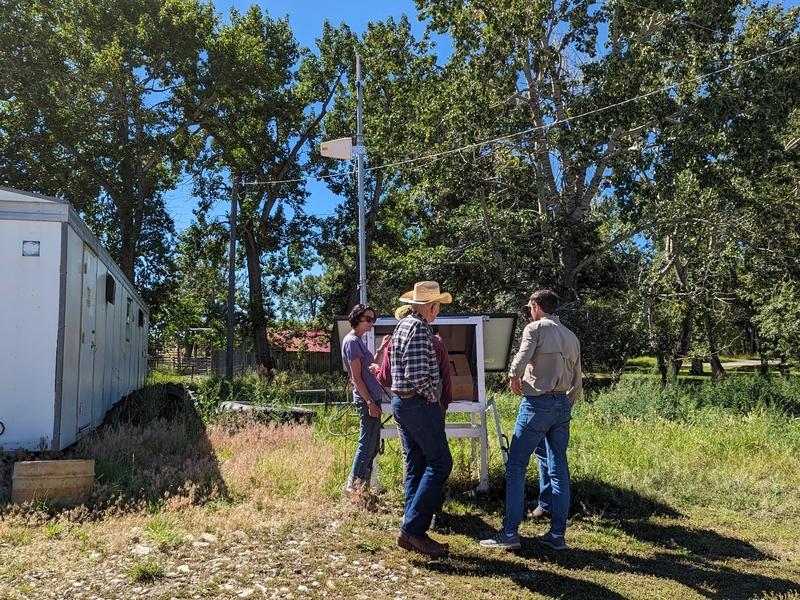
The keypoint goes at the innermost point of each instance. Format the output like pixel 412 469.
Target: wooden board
pixel 60 481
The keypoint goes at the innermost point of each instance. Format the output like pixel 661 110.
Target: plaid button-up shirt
pixel 414 366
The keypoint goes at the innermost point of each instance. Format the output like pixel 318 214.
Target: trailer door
pixel 88 342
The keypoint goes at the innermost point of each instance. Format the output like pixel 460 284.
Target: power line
pixel 437 155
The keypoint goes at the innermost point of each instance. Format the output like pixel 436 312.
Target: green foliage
pixel 280 390
pixel 146 571
pixel 661 206
pixel 199 292
pixel 88 113
pixel 262 98
pixel 779 321
pixel 163 532
pixel 54 530
pixel 607 333
pixel 643 400
pixel 301 301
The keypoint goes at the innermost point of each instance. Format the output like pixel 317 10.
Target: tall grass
pixel 733 444
pixel 282 389
pixel 273 465
pixel 645 399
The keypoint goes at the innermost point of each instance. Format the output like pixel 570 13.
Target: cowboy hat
pixel 425 292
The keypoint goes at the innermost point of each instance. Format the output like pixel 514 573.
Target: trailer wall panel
pixel 61 341
pixel 72 334
pixel 28 331
pixel 100 316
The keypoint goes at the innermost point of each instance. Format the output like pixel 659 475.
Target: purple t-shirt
pixel 354 347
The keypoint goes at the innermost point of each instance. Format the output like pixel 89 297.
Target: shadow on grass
pixel 154 448
pixel 707 576
pixel 529 576
pixel 698 559
pixel 151 450
pixel 589 497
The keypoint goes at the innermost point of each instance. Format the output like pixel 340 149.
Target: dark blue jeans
pixel 369 441
pixel 545 458
pixel 540 418
pixel 428 460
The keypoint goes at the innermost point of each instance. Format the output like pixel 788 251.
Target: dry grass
pixel 279 467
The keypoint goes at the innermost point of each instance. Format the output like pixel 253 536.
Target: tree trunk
pixel 764 368
pixel 661 360
pixel 697 366
pixel 568 259
pixel 616 372
pixel 258 317
pixel 354 296
pixel 127 251
pixel 717 370
pixel 752 343
pixel 681 347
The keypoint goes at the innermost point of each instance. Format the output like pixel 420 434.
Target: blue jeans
pixel 428 460
pixel 540 418
pixel 369 440
pixel 544 458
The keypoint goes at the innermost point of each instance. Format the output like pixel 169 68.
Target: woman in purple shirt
pixel 367 395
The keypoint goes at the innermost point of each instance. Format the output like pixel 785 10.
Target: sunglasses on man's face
pixel 367 319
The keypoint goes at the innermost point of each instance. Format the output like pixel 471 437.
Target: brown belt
pixel 405 395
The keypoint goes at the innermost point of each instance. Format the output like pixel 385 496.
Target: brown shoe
pixel 423 545
pixel 540 513
pixel 445 545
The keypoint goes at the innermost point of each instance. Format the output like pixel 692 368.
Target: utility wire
pixel 437 155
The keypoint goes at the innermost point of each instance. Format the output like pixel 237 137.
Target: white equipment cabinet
pixel 484 341
pixel 73 330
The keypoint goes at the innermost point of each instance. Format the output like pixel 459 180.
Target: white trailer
pixel 483 342
pixel 73 330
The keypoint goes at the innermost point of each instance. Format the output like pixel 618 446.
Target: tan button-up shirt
pixel 549 359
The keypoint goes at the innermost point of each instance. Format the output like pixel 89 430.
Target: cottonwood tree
pixel 702 187
pixel 88 110
pixel 301 299
pixel 548 64
pixel 262 98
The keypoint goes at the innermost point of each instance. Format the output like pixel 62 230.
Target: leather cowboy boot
pixel 423 545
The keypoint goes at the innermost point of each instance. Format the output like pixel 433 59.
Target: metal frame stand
pixel 476 430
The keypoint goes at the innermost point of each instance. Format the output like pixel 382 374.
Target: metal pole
pixel 359 150
pixel 231 280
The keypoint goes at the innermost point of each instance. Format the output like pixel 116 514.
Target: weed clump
pixel 146 571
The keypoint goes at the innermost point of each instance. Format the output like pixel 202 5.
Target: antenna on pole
pixel 362 230
pixel 343 149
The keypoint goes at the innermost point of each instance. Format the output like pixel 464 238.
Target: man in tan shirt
pixel 547 371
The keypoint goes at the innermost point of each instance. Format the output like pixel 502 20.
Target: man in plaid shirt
pixel 415 405
pixel 418 372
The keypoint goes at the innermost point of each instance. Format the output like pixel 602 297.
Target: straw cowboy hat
pixel 425 292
